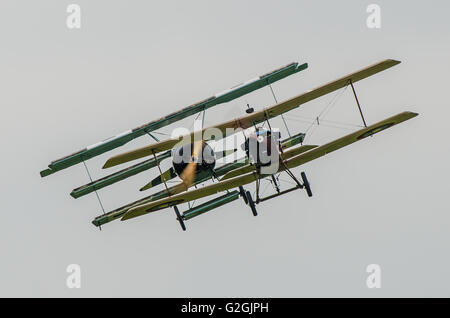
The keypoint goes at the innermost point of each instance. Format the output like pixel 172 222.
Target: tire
pixel 179 218
pixel 251 203
pixel 243 194
pixel 306 184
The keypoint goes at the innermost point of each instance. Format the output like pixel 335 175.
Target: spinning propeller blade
pixel 188 175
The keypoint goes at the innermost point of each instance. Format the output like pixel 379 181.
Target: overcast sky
pixel 381 201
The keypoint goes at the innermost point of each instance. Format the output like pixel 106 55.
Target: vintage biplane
pixel 194 158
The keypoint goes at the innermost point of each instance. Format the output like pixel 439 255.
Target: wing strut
pixel 282 116
pixel 153 137
pixel 161 174
pixel 177 212
pixel 357 103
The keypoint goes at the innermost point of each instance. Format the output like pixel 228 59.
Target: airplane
pixel 194 157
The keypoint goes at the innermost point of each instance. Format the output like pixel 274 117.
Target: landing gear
pixel 300 185
pixel 179 218
pixel 243 194
pixel 247 197
pixel 251 203
pixel 306 184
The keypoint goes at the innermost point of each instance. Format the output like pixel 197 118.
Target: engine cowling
pixel 183 155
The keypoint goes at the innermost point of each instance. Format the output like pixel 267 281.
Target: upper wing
pixel 252 176
pixel 257 117
pixel 222 97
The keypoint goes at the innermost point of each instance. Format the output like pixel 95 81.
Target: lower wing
pixel 252 176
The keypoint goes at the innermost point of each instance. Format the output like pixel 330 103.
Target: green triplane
pixel 229 179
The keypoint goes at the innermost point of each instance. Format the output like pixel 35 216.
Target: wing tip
pixel 411 114
pixel 46 172
pixel 126 216
pixel 108 164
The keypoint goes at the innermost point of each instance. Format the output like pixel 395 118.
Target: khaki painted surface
pixel 257 117
pixel 252 176
pixel 284 156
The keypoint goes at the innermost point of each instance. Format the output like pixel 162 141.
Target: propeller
pixel 188 170
pixel 188 175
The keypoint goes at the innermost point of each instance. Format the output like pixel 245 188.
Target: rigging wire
pixel 337 126
pixel 95 190
pixel 282 116
pixel 160 133
pixel 289 182
pixel 265 188
pixel 325 111
pixel 309 119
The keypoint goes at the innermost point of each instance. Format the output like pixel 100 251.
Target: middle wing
pixel 256 117
pixel 252 176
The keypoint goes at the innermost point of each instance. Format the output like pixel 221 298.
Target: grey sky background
pixel 383 200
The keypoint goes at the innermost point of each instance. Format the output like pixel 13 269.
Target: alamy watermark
pixel 374 278
pixel 74 278
pixel 73 20
pixel 374 19
pixel 261 145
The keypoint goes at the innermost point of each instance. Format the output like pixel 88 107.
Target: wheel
pixel 306 184
pixel 251 203
pixel 243 194
pixel 179 218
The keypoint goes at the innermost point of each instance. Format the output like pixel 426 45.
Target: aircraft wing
pixel 349 139
pixel 287 154
pixel 252 176
pixel 256 117
pixel 180 187
pixel 125 137
pixel 189 196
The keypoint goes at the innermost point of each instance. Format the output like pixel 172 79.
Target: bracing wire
pixel 282 116
pixel 325 111
pixel 160 133
pixel 309 119
pixel 95 190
